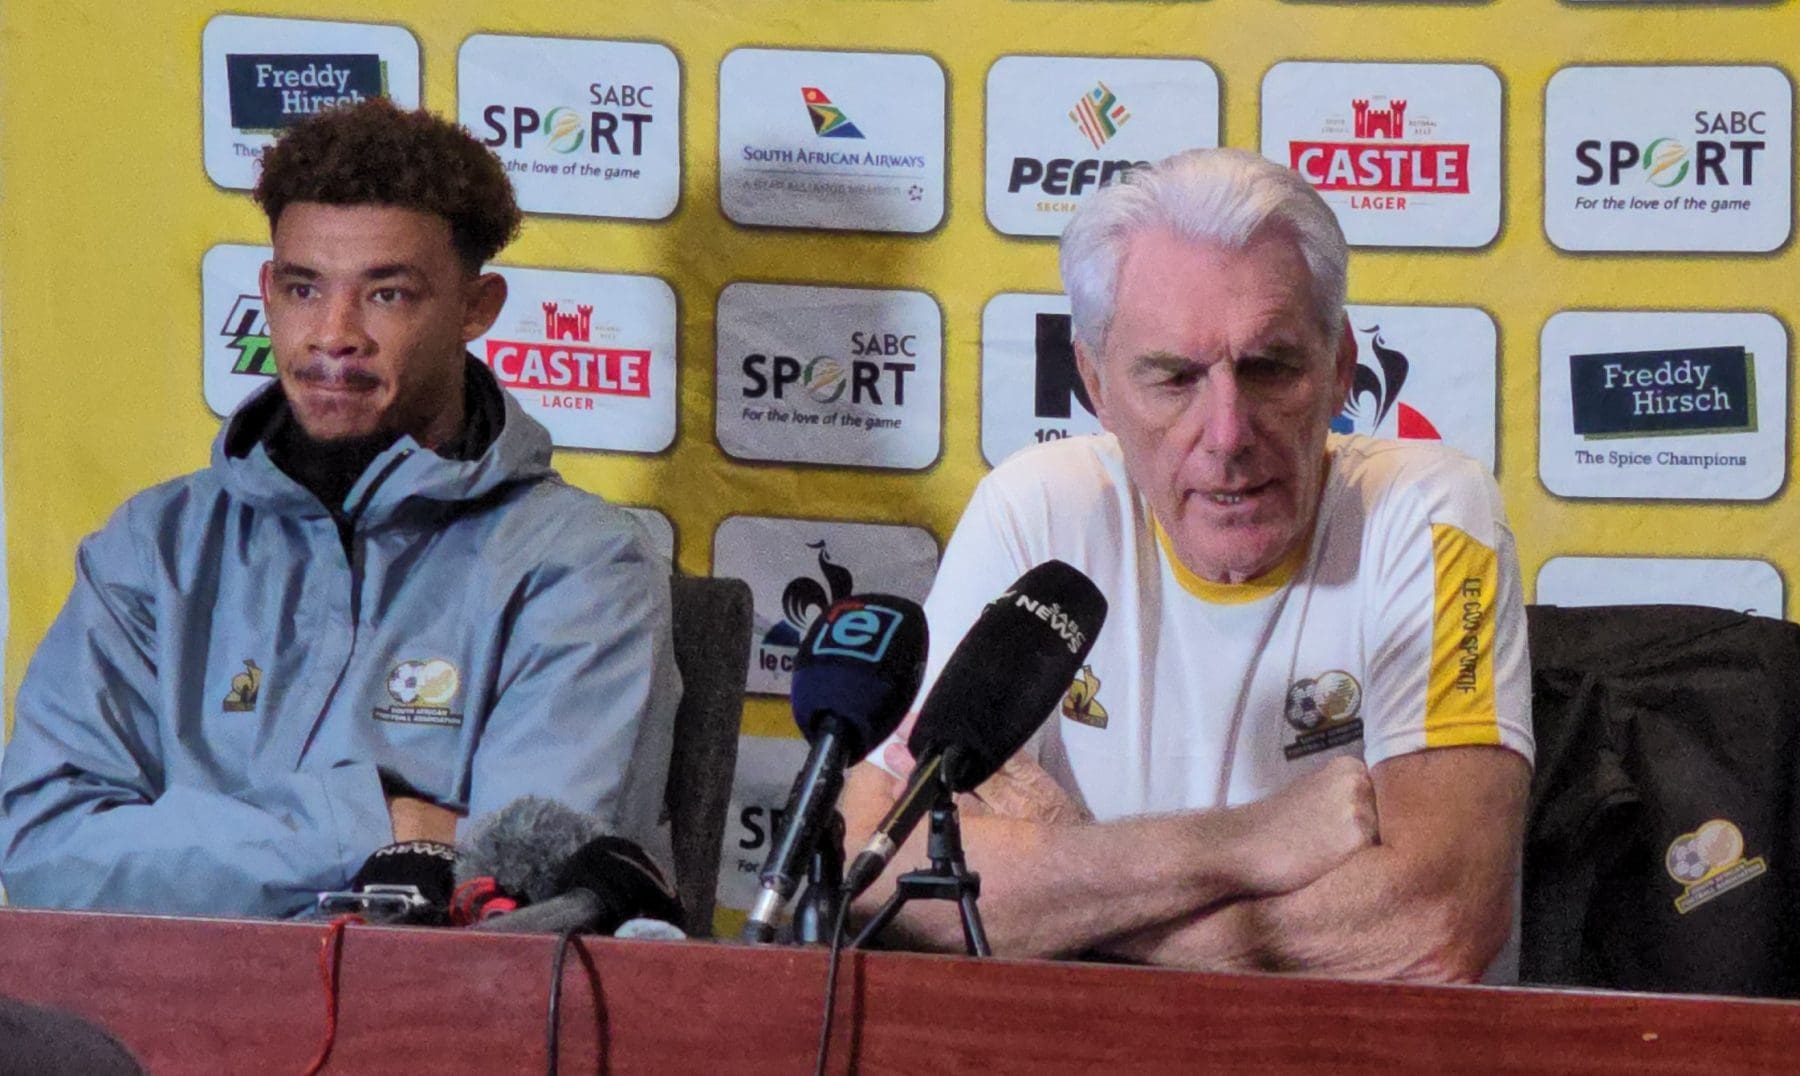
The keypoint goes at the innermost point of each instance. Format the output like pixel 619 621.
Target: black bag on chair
pixel 1663 848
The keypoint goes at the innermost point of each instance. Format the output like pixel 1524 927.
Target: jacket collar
pixel 403 471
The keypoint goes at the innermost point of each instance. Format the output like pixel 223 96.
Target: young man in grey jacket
pixel 379 613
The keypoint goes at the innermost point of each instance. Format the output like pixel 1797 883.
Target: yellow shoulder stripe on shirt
pixel 1229 593
pixel 1459 695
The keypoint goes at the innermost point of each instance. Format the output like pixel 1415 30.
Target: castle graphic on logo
pixel 828 120
pixel 1099 115
pixel 561 326
pixel 1389 122
pixel 1375 393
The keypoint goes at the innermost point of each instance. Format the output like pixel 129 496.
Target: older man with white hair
pixel 1302 740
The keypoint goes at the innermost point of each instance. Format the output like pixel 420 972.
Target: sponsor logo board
pixel 844 376
pixel 236 357
pixel 765 771
pixel 842 140
pixel 1668 158
pixel 1424 373
pixel 260 76
pixel 1030 390
pixel 1407 155
pixel 590 355
pixel 797 568
pixel 1748 586
pixel 587 128
pixel 1058 127
pixel 1663 405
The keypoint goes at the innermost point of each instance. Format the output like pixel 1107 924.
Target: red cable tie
pixel 331 950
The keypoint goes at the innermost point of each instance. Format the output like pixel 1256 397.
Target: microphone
pixel 513 857
pixel 999 684
pixel 404 882
pixel 609 885
pixel 855 674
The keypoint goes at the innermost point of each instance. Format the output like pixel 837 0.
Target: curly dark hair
pixel 374 152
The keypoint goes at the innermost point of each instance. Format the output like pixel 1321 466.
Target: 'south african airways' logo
pixel 828 120
pixel 422 692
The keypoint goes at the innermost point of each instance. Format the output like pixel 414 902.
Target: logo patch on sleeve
pixel 422 692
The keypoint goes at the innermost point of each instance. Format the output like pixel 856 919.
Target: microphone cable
pixel 831 976
pixel 553 1015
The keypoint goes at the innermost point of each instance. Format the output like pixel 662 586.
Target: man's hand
pixel 420 820
pixel 1305 830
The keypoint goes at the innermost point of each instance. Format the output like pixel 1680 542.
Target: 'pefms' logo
pixel 1099 114
pixel 1692 390
pixel 1708 862
pixel 246 331
pixel 1324 711
pixel 1386 155
pixel 422 692
pixel 272 91
pixel 1375 392
pixel 828 120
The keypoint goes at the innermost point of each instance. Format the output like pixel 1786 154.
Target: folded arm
pixel 1053 887
pixel 1433 901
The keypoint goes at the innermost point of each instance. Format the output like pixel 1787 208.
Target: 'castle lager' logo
pixel 1385 157
pixel 564 363
pixel 1672 391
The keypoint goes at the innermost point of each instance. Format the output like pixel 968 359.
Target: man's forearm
pixel 1357 921
pixel 1050 889
pixel 1432 902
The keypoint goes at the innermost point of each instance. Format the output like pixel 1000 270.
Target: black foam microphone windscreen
pixel 1009 671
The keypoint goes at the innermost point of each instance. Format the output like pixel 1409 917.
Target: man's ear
pixel 265 281
pixel 482 299
pixel 1089 369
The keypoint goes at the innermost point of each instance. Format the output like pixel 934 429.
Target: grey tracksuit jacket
pixel 207 727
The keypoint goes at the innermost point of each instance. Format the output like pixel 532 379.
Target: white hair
pixel 1223 196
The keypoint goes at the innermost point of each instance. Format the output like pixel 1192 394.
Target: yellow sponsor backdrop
pixel 107 211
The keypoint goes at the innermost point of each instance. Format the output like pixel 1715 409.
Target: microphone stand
pixel 817 910
pixel 948 878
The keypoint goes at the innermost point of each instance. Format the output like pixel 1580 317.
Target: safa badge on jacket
pixel 421 693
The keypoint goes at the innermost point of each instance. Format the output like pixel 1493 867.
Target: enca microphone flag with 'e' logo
pixel 861 662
